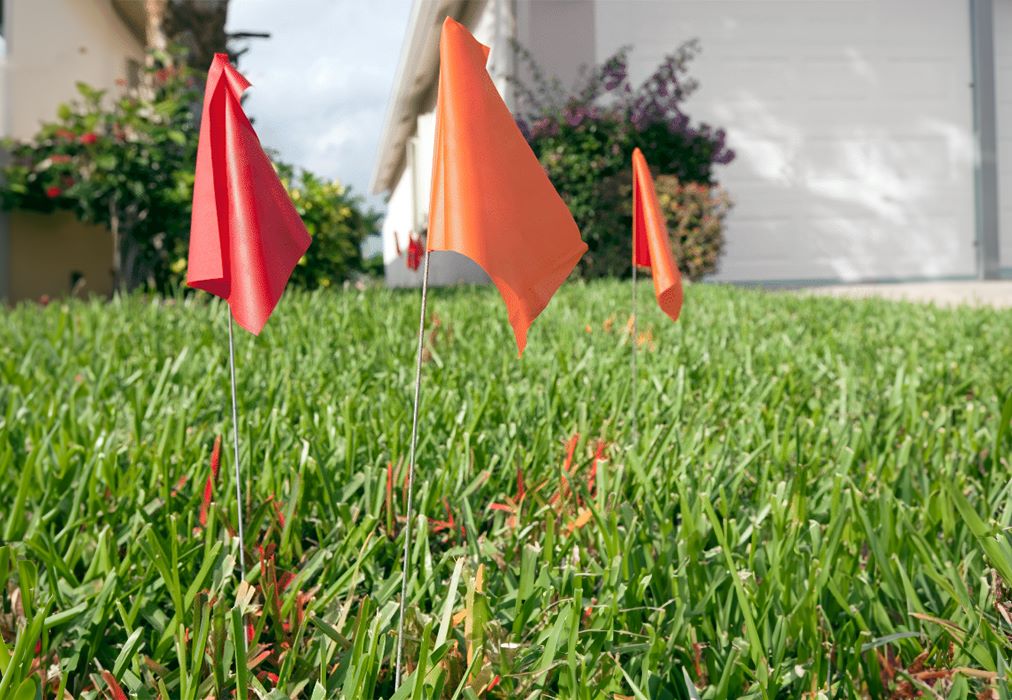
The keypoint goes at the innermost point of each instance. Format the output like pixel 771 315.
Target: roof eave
pixel 417 72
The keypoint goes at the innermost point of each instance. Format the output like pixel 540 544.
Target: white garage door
pixel 852 121
pixel 1003 88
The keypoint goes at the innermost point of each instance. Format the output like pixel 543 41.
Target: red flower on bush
pixel 89 138
pixel 65 134
pixel 53 192
pixel 59 158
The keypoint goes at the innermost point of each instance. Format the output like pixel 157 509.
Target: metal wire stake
pixel 635 341
pixel 235 444
pixel 411 473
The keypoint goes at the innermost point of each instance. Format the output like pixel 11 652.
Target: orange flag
pixel 491 199
pixel 650 239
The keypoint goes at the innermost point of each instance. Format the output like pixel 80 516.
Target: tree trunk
pixel 154 32
pixel 117 278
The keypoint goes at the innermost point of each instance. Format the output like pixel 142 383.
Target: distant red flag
pixel 415 252
pixel 651 247
pixel 245 235
pixel 491 199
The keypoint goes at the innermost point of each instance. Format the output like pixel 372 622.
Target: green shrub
pixel 338 222
pixel 695 214
pixel 127 164
pixel 585 137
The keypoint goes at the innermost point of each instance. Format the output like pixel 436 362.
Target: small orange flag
pixel 491 199
pixel 651 247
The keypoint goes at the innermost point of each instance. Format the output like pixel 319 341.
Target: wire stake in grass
pixel 635 339
pixel 235 444
pixel 651 249
pixel 238 471
pixel 411 475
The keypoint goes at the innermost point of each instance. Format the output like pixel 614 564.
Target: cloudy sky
pixel 321 82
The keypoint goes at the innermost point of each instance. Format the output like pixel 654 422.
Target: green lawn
pixel 819 501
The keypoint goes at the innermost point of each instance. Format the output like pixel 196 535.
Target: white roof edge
pixel 419 58
pixel 420 22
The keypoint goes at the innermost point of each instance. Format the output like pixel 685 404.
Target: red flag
pixel 491 199
pixel 415 252
pixel 245 235
pixel 651 247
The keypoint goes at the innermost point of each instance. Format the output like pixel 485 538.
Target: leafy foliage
pixel 818 505
pixel 129 165
pixel 695 214
pixel 585 137
pixel 337 220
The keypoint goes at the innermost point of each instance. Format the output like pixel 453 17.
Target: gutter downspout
pixel 985 138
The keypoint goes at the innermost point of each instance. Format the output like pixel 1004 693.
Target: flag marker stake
pixel 235 445
pixel 238 480
pixel 635 340
pixel 411 473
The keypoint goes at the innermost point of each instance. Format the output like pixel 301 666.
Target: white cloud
pixel 321 82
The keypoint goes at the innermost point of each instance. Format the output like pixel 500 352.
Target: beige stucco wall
pixel 51 45
pixel 47 251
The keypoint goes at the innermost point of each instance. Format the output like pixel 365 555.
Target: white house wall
pixel 408 208
pixel 493 28
pixel 397 222
pixel 445 268
pixel 852 122
pixel 1003 96
pixel 425 141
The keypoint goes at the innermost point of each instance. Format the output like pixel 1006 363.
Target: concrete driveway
pixel 997 294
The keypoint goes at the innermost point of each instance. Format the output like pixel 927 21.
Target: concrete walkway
pixel 997 294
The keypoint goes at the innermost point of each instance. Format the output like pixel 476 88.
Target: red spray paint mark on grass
pixel 277 510
pixel 114 686
pixel 205 504
pixel 567 468
pixel 599 454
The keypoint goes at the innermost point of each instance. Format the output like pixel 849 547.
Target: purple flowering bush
pixel 585 137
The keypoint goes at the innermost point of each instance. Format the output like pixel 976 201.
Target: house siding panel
pixel 852 124
pixel 1003 97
